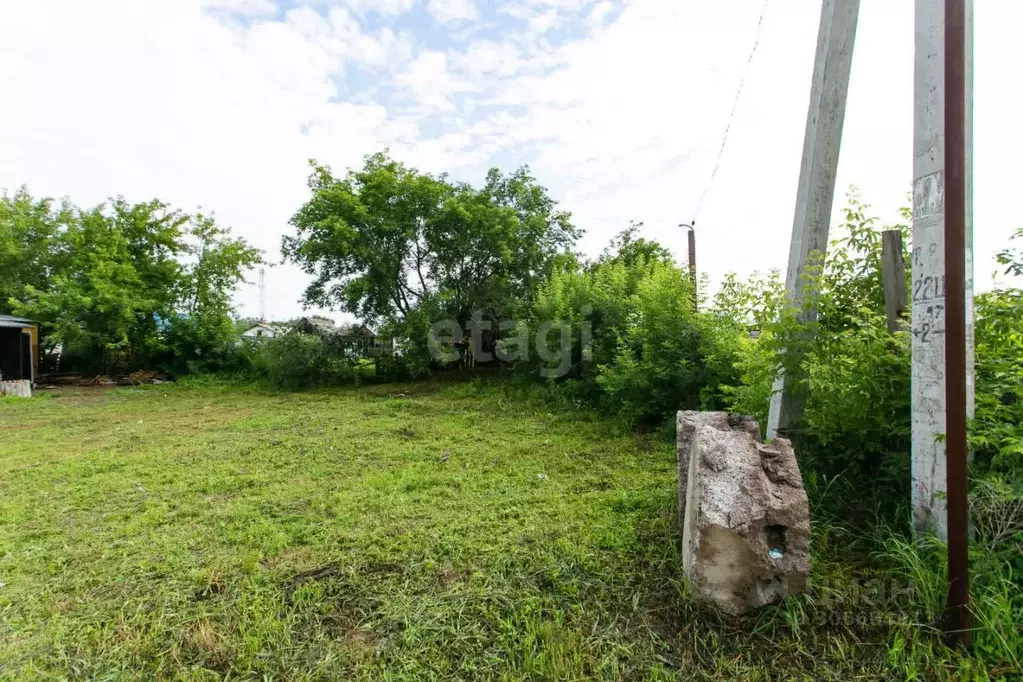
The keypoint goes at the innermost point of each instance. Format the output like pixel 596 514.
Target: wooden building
pixel 19 349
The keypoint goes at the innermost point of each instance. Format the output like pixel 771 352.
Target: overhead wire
pixel 731 116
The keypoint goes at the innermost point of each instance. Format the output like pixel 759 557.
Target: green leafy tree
pixel 854 374
pixel 28 229
pixel 96 298
pixel 202 329
pixel 114 285
pixel 638 346
pixel 365 238
pixel 154 237
pixel 660 367
pixel 597 299
pixel 387 240
pixel 629 249
pixel 543 234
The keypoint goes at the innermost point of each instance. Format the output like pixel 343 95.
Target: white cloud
pixel 567 5
pixel 629 125
pixel 488 57
pixel 385 49
pixel 544 21
pixel 385 8
pixel 449 11
pixel 600 12
pixel 429 83
pixel 527 9
pixel 245 8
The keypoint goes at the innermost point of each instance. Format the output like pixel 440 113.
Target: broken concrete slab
pixel 21 388
pixel 686 424
pixel 746 517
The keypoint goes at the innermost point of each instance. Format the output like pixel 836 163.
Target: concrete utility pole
pixel 816 192
pixel 928 290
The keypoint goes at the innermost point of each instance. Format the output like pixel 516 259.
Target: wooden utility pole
pixel 930 287
pixel 816 192
pixel 692 261
pixel 893 280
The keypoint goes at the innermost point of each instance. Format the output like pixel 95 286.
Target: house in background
pixel 359 331
pixel 19 349
pixel 261 330
pixel 315 324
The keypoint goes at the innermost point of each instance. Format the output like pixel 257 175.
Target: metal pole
pixel 958 613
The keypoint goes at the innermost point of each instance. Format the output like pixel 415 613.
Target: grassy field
pixel 428 531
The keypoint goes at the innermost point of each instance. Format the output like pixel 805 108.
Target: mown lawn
pixel 423 531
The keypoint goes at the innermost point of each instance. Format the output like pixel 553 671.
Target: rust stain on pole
pixel 958 613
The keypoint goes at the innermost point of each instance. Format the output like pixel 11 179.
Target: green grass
pixel 424 531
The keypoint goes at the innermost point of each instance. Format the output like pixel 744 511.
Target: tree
pixel 365 238
pixel 203 324
pixel 544 235
pixel 95 296
pixel 108 283
pixel 28 231
pixel 387 241
pixel 629 249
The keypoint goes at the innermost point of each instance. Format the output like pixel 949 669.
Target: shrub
pixel 997 430
pixel 199 344
pixel 749 310
pixel 639 348
pixel 296 360
pixel 660 366
pixel 855 376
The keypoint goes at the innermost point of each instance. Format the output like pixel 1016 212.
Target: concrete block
pixel 746 517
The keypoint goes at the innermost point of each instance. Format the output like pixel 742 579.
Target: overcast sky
pixel 618 107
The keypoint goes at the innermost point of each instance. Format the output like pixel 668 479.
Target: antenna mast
pixel 262 295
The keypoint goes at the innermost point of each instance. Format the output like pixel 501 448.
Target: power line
pixel 735 105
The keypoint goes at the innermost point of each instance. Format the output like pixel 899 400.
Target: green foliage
pixel 659 368
pixel 856 378
pixel 996 601
pixel 997 432
pixel 390 244
pixel 28 228
pixel 750 308
pixel 858 412
pixel 996 436
pixel 595 300
pixel 631 250
pixel 854 374
pixel 121 286
pixel 628 335
pixel 299 361
pixel 202 337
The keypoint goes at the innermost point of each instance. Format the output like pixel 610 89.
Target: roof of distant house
pixel 261 325
pixel 316 324
pixel 12 322
pixel 355 330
